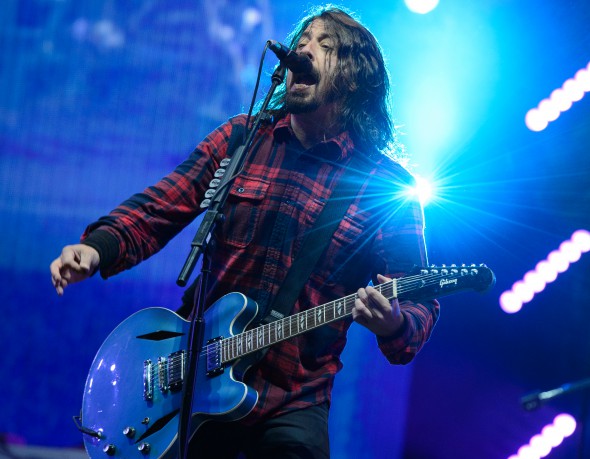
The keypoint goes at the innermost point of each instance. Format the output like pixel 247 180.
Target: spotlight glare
pixel 421 6
pixel 423 190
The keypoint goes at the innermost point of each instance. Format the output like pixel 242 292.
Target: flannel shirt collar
pixel 337 148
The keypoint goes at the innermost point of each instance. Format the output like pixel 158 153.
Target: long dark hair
pixel 361 80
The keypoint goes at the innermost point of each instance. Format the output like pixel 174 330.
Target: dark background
pixel 100 98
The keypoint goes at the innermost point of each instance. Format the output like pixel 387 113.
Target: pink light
pixel 551 436
pixel 559 261
pixel 535 121
pixel 582 240
pixel 549 110
pixel 526 452
pixel 510 303
pixel 545 272
pixel 535 281
pixel 583 79
pixel 540 445
pixel 523 291
pixel 561 100
pixel 570 251
pixel 573 89
pixel 565 423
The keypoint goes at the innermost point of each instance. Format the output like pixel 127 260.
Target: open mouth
pixel 302 80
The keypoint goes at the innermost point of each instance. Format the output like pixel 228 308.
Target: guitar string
pixel 405 284
pixel 234 343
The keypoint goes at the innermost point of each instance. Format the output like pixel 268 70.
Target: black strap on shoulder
pixel 236 138
pixel 316 241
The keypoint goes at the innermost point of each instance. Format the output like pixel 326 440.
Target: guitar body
pixel 131 398
pixel 133 394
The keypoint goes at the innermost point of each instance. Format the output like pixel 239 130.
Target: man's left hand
pixel 380 315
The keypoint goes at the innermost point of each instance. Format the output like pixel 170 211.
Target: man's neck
pixel 313 128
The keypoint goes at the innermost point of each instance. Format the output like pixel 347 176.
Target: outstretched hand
pixel 76 263
pixel 380 315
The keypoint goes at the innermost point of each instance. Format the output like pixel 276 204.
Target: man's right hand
pixel 76 263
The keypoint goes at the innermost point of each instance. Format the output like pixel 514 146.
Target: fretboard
pixel 266 335
pixel 432 282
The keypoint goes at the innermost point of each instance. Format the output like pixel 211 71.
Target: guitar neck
pixel 432 282
pixel 266 335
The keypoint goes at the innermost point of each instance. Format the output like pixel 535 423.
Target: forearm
pixel 419 322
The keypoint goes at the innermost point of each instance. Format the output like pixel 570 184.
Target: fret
pixel 319 315
pixel 260 337
pixel 339 309
pixel 249 341
pixel 239 340
pixel 302 324
pixel 279 330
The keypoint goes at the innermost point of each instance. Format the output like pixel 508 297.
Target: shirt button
pixel 240 190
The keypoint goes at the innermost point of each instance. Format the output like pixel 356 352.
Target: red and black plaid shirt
pixel 271 204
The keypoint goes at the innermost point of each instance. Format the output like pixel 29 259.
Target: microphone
pixel 297 63
pixel 533 401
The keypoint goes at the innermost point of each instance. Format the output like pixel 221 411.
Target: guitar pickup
pixel 176 368
pixel 213 350
pixel 148 381
pixel 163 374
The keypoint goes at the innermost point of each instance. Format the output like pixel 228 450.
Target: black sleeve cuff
pixel 106 245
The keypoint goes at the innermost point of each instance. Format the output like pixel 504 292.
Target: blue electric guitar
pixel 133 393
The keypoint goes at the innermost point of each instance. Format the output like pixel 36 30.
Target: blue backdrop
pixel 100 98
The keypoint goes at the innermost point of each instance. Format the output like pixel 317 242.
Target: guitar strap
pixel 314 244
pixel 317 239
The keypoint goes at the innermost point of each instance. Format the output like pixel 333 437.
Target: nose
pixel 307 50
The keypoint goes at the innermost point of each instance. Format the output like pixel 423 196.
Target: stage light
pixel 545 272
pixel 551 436
pixel 561 100
pixel 421 6
pixel 535 121
pixel 424 190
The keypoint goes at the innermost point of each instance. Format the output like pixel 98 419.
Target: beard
pixel 297 103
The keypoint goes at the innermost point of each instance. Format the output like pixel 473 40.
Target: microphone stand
pixel 532 401
pixel 213 216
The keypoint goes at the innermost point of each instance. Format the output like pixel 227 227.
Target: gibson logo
pixel 444 282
